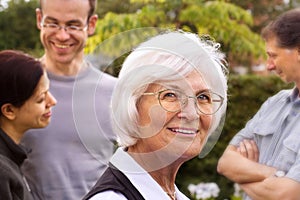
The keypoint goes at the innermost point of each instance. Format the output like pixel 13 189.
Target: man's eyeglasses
pixel 207 102
pixel 68 28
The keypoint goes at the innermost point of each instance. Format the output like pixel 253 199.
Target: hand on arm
pixel 273 188
pixel 240 164
pixel 249 149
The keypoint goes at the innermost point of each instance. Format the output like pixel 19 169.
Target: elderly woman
pixel 25 103
pixel 171 96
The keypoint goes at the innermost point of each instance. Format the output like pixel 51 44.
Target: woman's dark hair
pixel 285 28
pixel 19 76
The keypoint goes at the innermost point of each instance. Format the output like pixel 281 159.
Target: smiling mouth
pixel 48 114
pixel 61 46
pixel 184 131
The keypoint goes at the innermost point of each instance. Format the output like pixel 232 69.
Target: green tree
pixel 265 10
pixel 116 6
pixel 18 26
pixel 227 23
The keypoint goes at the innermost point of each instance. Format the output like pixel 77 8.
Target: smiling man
pixel 264 157
pixel 66 159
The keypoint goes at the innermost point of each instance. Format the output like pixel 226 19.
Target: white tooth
pixel 61 46
pixel 184 131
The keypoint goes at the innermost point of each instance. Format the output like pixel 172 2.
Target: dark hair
pixel 92 3
pixel 285 28
pixel 19 76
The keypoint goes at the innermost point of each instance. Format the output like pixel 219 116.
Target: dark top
pixel 12 184
pixel 113 179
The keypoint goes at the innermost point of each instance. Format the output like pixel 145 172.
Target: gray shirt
pixel 276 130
pixel 67 157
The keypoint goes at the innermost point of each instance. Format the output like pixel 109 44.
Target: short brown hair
pixel 92 10
pixel 285 28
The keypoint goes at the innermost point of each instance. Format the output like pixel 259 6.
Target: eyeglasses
pixel 207 102
pixel 69 29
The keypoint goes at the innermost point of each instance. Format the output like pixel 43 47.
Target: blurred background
pixel 122 24
pixel 235 24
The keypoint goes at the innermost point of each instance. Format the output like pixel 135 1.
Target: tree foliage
pixel 18 26
pixel 116 6
pixel 264 10
pixel 227 23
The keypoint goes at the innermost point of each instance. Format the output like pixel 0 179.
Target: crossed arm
pixel 240 164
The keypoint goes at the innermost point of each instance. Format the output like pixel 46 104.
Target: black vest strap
pixel 113 179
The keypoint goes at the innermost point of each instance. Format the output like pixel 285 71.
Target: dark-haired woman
pixel 25 103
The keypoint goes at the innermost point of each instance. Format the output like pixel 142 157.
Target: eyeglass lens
pixel 55 27
pixel 206 102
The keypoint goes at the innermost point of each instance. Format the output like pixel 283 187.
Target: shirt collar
pixel 294 96
pixel 140 178
pixel 10 149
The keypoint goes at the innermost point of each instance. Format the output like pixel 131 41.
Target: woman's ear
pixel 8 111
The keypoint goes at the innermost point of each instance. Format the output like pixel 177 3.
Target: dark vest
pixel 113 179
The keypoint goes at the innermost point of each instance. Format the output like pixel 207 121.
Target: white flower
pixel 237 190
pixel 192 188
pixel 204 190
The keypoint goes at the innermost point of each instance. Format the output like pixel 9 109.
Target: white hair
pixel 164 58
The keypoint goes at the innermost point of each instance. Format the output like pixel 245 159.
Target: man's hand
pixel 240 164
pixel 249 149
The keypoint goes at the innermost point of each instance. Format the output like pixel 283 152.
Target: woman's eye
pixel 169 96
pixel 41 100
pixel 204 98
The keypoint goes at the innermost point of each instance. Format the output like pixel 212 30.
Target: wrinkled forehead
pixel 192 82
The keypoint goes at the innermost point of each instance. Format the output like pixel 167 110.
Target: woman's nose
pixel 189 110
pixel 51 100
